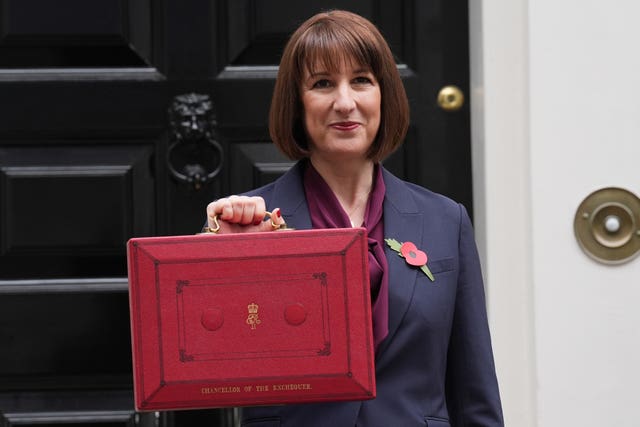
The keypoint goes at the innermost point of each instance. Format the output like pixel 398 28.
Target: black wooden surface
pixel 84 134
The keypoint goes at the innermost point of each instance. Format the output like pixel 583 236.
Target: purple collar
pixel 326 212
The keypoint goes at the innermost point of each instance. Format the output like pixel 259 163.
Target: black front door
pixel 125 118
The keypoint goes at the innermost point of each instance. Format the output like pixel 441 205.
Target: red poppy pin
pixel 412 255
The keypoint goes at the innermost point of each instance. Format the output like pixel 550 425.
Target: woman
pixel 339 107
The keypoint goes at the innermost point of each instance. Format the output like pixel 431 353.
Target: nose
pixel 344 101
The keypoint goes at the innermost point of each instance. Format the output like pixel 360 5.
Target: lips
pixel 345 126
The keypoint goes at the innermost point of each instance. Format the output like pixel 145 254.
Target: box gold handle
pixel 216 227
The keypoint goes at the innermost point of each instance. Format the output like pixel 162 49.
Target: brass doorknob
pixel 450 98
pixel 607 225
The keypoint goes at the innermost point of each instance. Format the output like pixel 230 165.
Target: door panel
pixel 59 351
pixel 75 33
pixel 256 165
pixel 86 93
pixel 68 208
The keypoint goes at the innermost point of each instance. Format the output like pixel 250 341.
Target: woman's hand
pixel 242 214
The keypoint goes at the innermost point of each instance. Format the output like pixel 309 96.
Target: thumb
pixel 276 222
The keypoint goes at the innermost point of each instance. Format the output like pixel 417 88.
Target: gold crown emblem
pixel 253 308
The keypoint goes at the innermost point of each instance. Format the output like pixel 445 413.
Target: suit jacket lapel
pixel 288 195
pixel 403 222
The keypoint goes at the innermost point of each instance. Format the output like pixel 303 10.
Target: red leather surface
pixel 250 319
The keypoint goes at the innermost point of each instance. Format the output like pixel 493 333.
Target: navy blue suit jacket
pixel 435 368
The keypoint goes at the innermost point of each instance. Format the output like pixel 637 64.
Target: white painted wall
pixel 555 116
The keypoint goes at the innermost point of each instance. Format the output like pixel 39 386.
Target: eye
pixel 321 84
pixel 362 80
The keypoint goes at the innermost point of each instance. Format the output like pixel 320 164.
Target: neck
pixel 351 183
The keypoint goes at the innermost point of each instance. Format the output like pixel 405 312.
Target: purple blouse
pixel 326 212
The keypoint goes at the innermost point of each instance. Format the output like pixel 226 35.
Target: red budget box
pixel 250 319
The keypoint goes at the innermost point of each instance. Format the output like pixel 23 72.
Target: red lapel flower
pixel 412 255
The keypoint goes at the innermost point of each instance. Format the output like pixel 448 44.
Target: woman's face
pixel 341 111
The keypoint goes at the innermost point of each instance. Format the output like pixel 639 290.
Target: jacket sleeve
pixel 471 389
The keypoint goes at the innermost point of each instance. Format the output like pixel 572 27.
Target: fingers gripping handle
pixel 216 224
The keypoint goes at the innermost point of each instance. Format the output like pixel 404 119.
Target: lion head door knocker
pixel 194 156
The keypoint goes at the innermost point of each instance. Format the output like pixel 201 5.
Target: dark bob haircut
pixel 329 39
